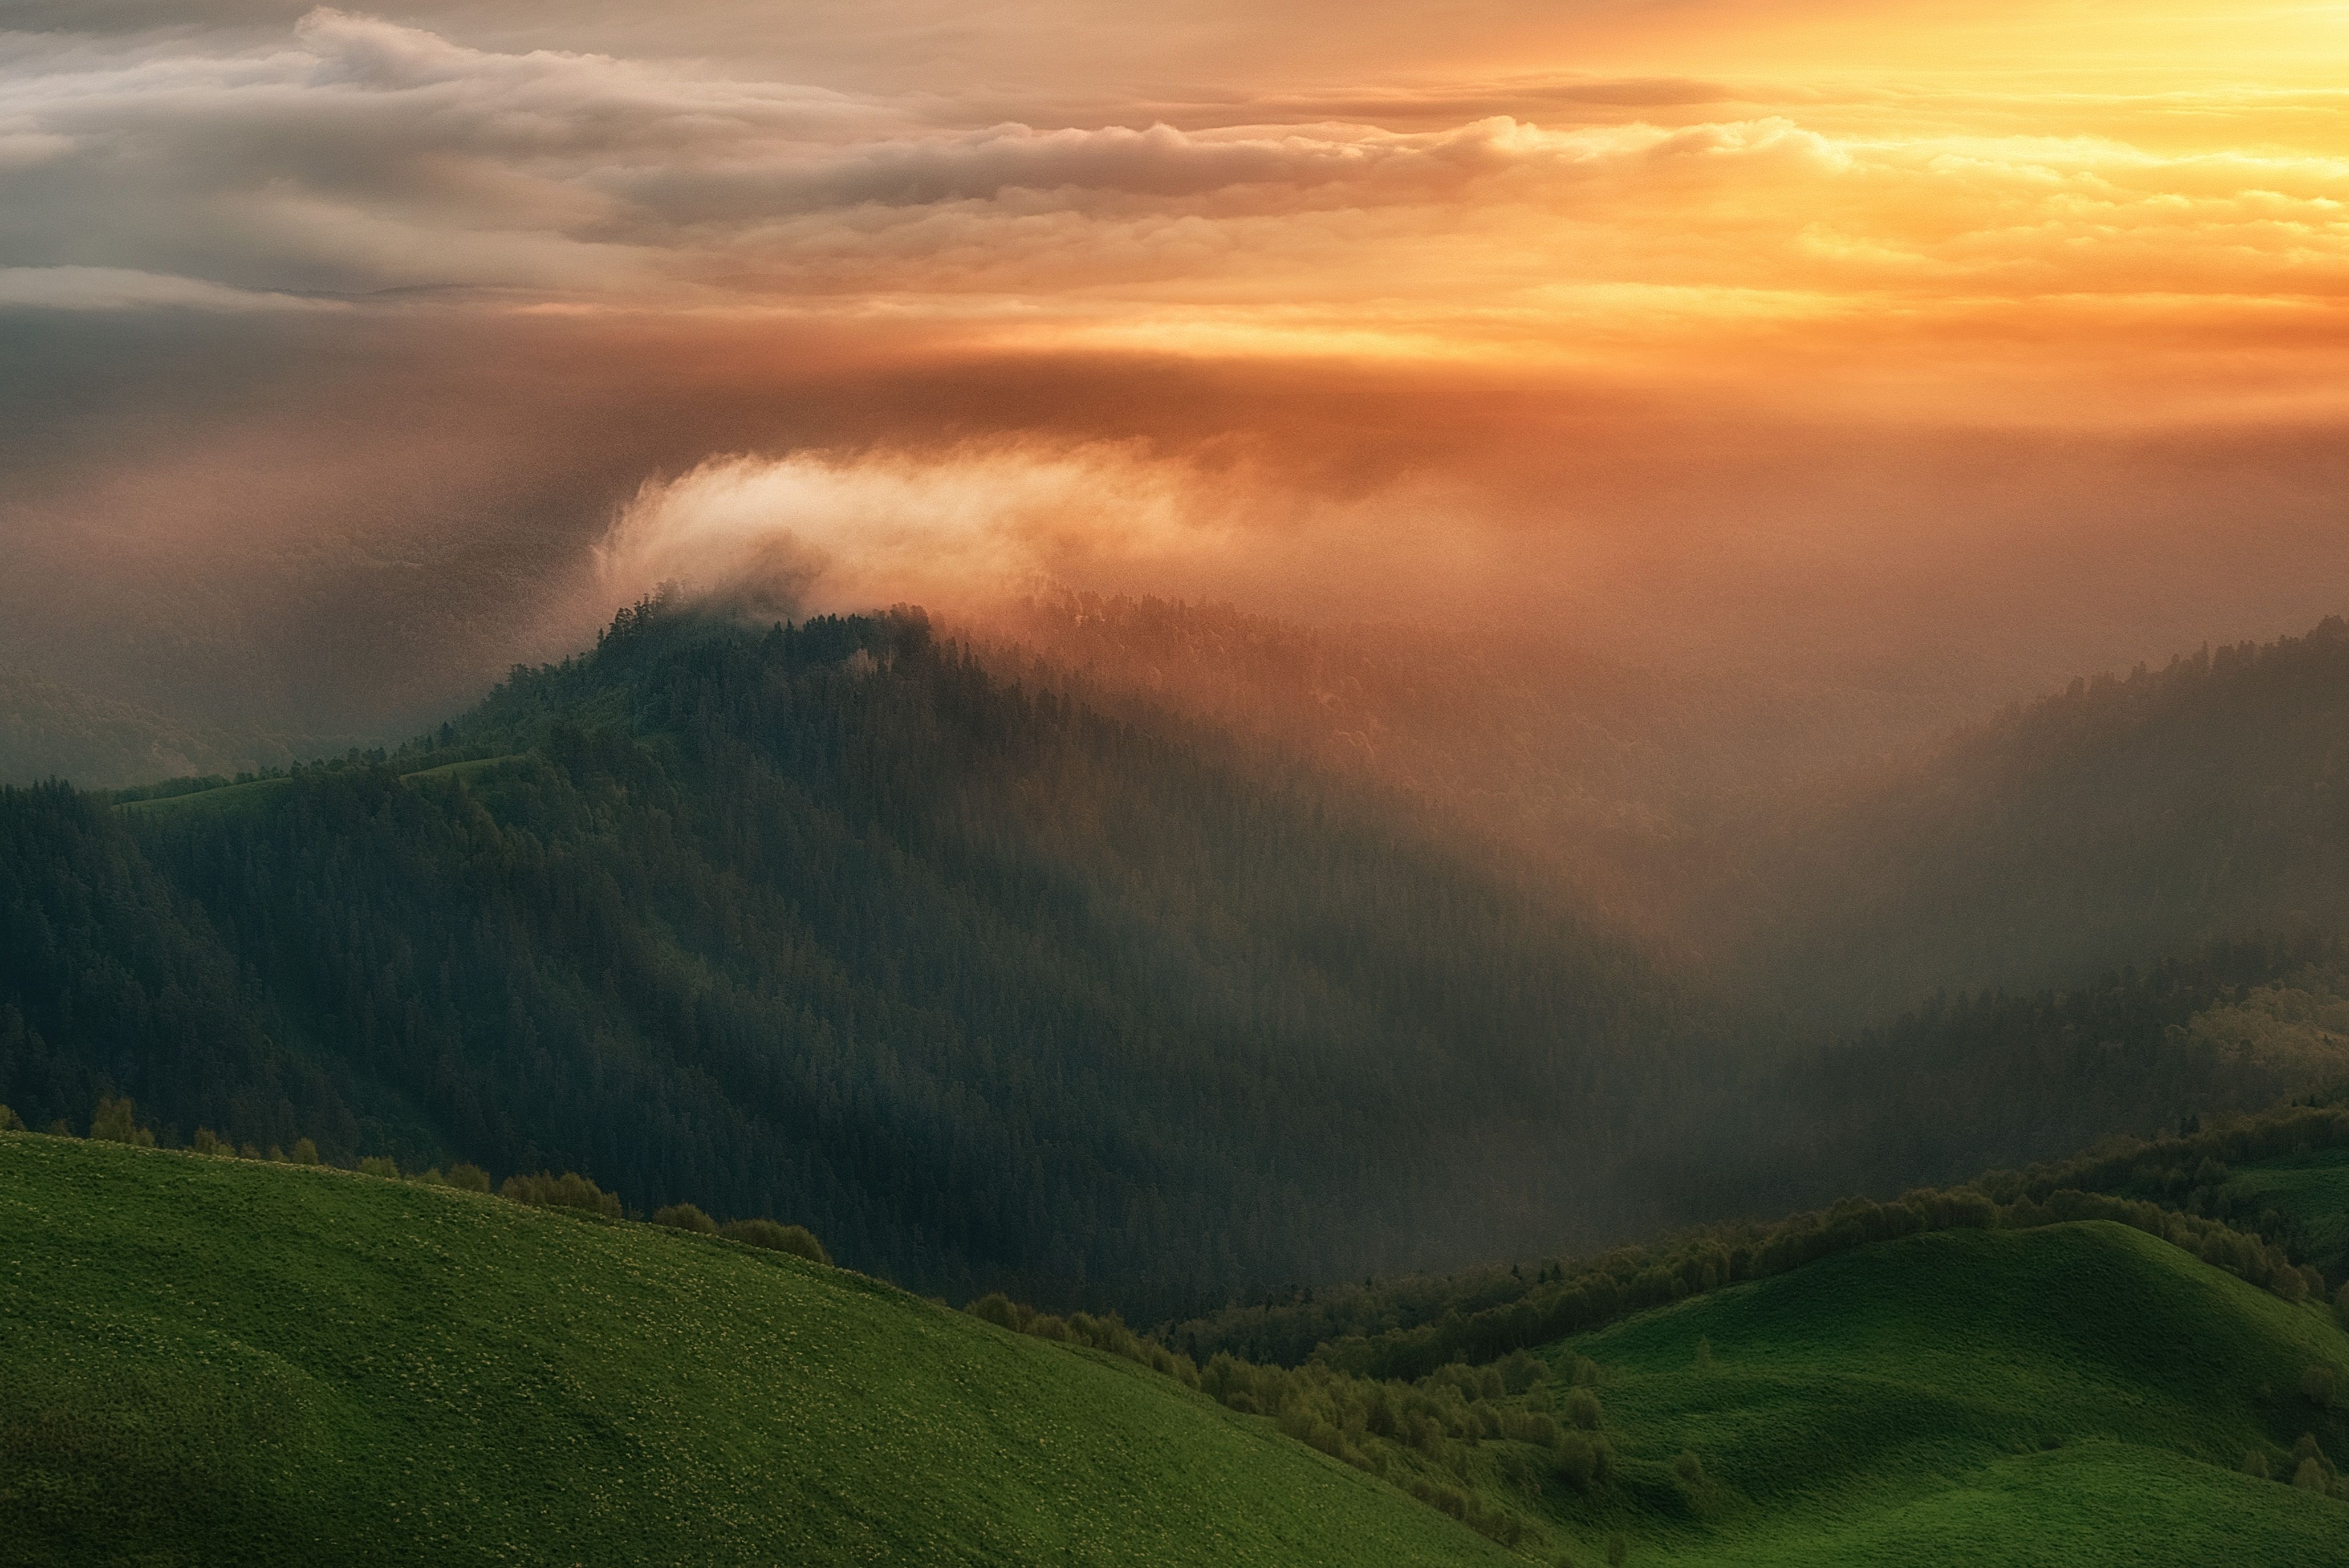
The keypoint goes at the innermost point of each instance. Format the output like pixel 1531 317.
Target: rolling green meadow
pixel 2077 1394
pixel 211 1360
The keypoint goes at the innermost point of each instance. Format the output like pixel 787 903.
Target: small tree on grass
pixel 569 1190
pixel 2255 1464
pixel 469 1177
pixel 207 1141
pixel 1577 1460
pixel 684 1217
pixel 379 1164
pixel 2309 1477
pixel 305 1152
pixel 10 1121
pixel 1000 1310
pixel 797 1240
pixel 116 1122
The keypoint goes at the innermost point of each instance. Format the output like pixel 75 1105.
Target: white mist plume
pixel 815 531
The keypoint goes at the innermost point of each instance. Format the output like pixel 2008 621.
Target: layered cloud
pixel 356 156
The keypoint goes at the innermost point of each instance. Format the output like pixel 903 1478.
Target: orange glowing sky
pixel 2043 211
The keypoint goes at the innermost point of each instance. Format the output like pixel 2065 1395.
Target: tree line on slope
pixel 2173 1187
pixel 1968 1082
pixel 116 1120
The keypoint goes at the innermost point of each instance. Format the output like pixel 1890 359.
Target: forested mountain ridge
pixel 828 922
pixel 2121 821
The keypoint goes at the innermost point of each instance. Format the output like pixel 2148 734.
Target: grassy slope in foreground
pixel 1890 1406
pixel 206 1360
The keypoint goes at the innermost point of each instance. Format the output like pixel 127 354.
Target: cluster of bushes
pixel 1107 1333
pixel 773 1236
pixel 1463 1440
pixel 569 1190
pixel 1450 1438
pixel 2307 1468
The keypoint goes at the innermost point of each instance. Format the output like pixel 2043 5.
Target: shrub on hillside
pixel 1519 1371
pixel 1000 1310
pixel 468 1177
pixel 1582 1409
pixel 1689 1468
pixel 684 1217
pixel 116 1121
pixel 305 1152
pixel 10 1121
pixel 2309 1477
pixel 2255 1464
pixel 797 1240
pixel 379 1164
pixel 570 1191
pixel 1579 1462
pixel 207 1141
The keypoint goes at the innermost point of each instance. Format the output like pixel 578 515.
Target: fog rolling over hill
pixel 1841 871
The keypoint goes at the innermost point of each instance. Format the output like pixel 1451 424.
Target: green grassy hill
pixel 208 1360
pixel 2074 1394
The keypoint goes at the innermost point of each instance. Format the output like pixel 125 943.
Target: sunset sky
pixel 1933 204
pixel 412 340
